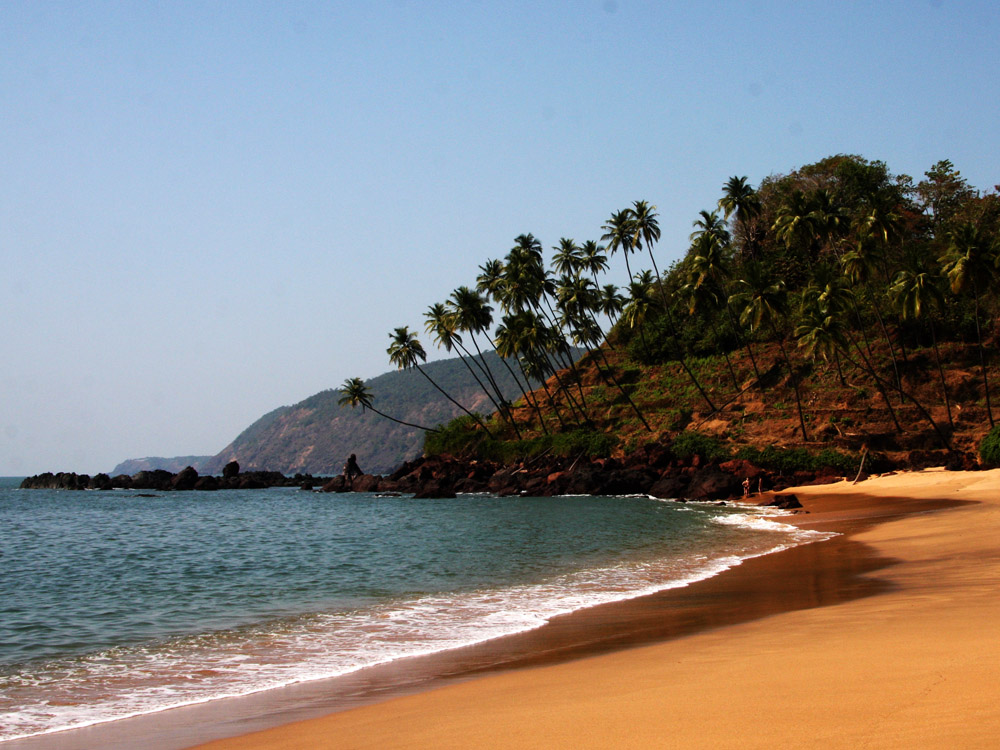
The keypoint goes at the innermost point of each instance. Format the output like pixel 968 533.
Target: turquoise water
pixel 114 605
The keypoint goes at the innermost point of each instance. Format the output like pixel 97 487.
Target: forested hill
pixel 316 435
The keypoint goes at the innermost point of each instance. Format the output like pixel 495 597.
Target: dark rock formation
pixel 785 502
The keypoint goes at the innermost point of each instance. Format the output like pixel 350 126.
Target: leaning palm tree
pixel 443 324
pixel 618 234
pixel 764 303
pixel 917 293
pixel 406 351
pixel 592 259
pixel 356 393
pixel 970 265
pixel 709 267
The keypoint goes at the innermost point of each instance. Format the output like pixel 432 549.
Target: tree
pixel 763 302
pixel 356 393
pixel 917 293
pixel 741 203
pixel 406 351
pixel 970 265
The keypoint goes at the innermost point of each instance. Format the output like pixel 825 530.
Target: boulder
pixel 670 486
pixel 184 480
pixel 711 483
pixel 786 501
pixel 435 488
pixel 230 470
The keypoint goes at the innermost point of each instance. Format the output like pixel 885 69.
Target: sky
pixel 212 209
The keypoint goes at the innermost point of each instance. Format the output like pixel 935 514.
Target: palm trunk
pixel 400 421
pixel 944 386
pixel 448 396
pixel 982 353
pixel 795 382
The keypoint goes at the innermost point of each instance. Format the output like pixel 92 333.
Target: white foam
pixel 130 681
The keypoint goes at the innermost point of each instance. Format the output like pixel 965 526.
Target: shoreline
pixel 802 578
pixel 892 646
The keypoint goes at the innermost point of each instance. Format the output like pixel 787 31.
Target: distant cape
pixel 316 435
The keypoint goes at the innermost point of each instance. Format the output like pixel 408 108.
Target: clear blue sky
pixel 209 210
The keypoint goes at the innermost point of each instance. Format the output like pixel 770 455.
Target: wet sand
pixel 884 637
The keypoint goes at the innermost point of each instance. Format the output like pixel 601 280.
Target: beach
pixel 885 636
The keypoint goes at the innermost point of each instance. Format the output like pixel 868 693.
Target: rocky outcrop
pixel 163 481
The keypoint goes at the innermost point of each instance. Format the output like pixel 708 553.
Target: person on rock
pixel 351 470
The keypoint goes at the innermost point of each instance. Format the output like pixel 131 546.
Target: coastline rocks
pixel 786 501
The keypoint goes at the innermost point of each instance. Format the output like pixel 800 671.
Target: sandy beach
pixel 886 636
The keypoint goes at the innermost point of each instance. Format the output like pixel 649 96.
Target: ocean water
pixel 115 605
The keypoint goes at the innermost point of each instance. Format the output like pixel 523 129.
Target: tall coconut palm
pixel 611 302
pixel 970 265
pixel 709 266
pixel 592 259
pixel 406 351
pixel 764 303
pixel 473 315
pixel 645 231
pixel 442 323
pixel 741 203
pixel 568 257
pixel 579 300
pixel 618 234
pixel 356 393
pixel 917 294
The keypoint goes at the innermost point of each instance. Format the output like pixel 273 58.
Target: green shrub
pixel 691 443
pixel 789 460
pixel 989 448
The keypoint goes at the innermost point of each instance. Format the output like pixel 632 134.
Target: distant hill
pixel 173 465
pixel 316 435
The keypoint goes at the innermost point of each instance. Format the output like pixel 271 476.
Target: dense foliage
pixel 989 448
pixel 837 267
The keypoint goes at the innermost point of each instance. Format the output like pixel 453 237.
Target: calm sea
pixel 115 605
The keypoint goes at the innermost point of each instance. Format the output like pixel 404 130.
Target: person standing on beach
pixel 351 470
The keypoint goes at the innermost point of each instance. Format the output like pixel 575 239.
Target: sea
pixel 116 604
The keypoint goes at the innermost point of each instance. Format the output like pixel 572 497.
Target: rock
pixel 711 483
pixel 670 486
pixel 184 480
pixel 206 484
pixel 786 501
pixel 366 483
pixel 231 470
pixel 435 488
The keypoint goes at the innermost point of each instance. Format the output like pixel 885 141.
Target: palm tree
pixel 618 234
pixel 645 230
pixel 740 202
pixel 709 267
pixel 406 351
pixel 592 259
pixel 443 324
pixel 568 257
pixel 578 300
pixel 970 265
pixel 708 223
pixel 471 314
pixel 764 302
pixel 356 393
pixel 917 292
pixel 611 302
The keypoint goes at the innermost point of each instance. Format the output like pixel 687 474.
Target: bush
pixel 691 443
pixel 989 448
pixel 790 460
